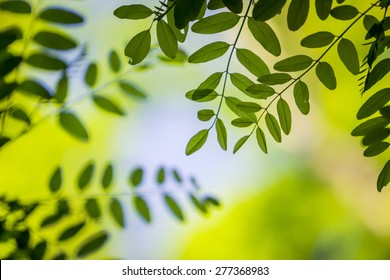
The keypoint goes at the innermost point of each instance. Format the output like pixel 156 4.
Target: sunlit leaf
pixel 345 12
pixel 374 103
pixel 61 16
pixel 267 9
pixel 205 115
pixel 91 75
pixel 323 8
pixel 274 79
pixel 56 180
pixel 116 211
pixel 325 74
pixel 294 63
pixel 138 47
pixel 216 23
pixel 384 177
pixel 242 122
pixel 297 14
pixel 166 39
pixel 174 207
pixel 252 62
pixel 92 244
pixel 71 232
pixel 284 114
pixel 108 176
pixel 142 208
pixel 301 96
pixel 221 134
pixel 348 55
pixel 202 95
pixel 209 52
pixel 273 127
pixel 134 12
pixel 232 103
pixel 92 208
pixel 107 105
pixel 136 177
pixel 71 123
pixel 249 107
pixel 45 62
pixel 264 34
pixel 240 143
pixel 197 141
pixel 85 176
pixel 318 40
pixel 261 140
pixel 16 6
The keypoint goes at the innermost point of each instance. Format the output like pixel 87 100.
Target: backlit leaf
pixel 85 176
pixel 108 176
pixel 91 74
pixel 215 4
pixel 375 136
pixel 205 115
pixel 131 90
pixel 348 55
pixel 16 6
pixel 345 12
pixel 186 11
pixel 71 124
pixel 264 34
pixel 115 62
pixel 232 103
pixel 37 88
pixel 197 141
pixel 107 105
pixel 161 175
pixel 284 114
pixel 117 212
pixel 19 114
pixel 267 9
pixel 259 91
pixel 377 73
pixel 166 39
pixel 142 208
pixel 54 40
pixel 174 207
pixel 92 208
pixel 325 74
pixel 61 16
pixel 376 149
pixel 46 62
pixel 8 64
pixel 62 88
pixel 7 89
pixel 56 180
pixel 242 122
pixel 275 79
pixel 374 103
pixel 241 82
pixel 209 52
pixel 297 14
pixel 216 23
pixel 221 134
pixel 136 177
pixel 240 143
pixel 294 63
pixel 370 125
pixel 249 107
pixel 138 47
pixel 71 232
pixel 261 140
pixel 301 96
pixel 134 12
pixel 235 6
pixel 323 8
pixel 39 251
pixel 273 127
pixel 252 62
pixel 202 95
pixel 92 244
pixel 384 177
pixel 318 40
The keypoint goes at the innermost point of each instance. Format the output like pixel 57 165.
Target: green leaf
pixel 235 6
pixel 7 89
pixel 138 47
pixel 15 6
pixel 384 177
pixel 221 134
pixel 261 140
pixel 209 200
pixel 301 96
pixel 212 81
pixel 375 136
pixel 325 74
pixel 114 61
pixel 39 251
pixel 131 90
pixel 36 88
pixel 107 105
pixel 370 125
pixel 376 149
pixel 267 9
pixel 374 103
pixel 19 114
pixel 209 52
pixel 71 124
pixel 46 62
pixel 92 208
pixel 264 34
pixel 61 16
pixel 201 95
pixel 92 244
pixel 242 122
pixel 174 207
pixel 136 177
pixel 177 176
pixel 62 88
pixel 273 127
pixel 323 8
pixel 349 56
pixel 345 12
pixel 161 175
pixel 71 232
pixel 215 5
pixel 377 73
pixel 205 115
pixel 232 103
pixel 142 208
pixel 7 37
pixel 167 39
pixel 133 12
pixel 297 14
pixel 240 143
pixel 249 107
pixel 369 21
pixel 284 114
pixel 275 79
pixel 117 212
pixel 108 176
pixel 50 220
pixel 385 111
pixel 91 75
pixel 216 23
pixel 252 62
pixel 259 91
pixel 85 176
pixel 197 141
pixel 318 40
pixel 54 41
pixel 186 11
pixel 198 204
pixel 294 63
pixel 241 82
pixel 56 180
pixel 8 64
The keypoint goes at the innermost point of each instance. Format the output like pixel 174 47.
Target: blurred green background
pixel 313 197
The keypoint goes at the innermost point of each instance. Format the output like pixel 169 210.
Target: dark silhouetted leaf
pixel 36 88
pixel 131 90
pixel 348 55
pixel 325 74
pixel 294 63
pixel 384 177
pixel 318 40
pixel 39 251
pixel 209 52
pixel 16 6
pixel 7 89
pixel 61 92
pixel 284 114
pixel 142 208
pixel 107 105
pixel 377 73
pixel 275 79
pixel 52 219
pixel 20 115
pixel 375 136
pixel 216 23
pixel 301 96
pixel 374 103
pixel 167 39
pixel 71 232
pixel 107 176
pixel 46 62
pixel 264 34
pixel 215 4
pixel 252 62
pixel 8 64
pixel 55 41
pixel 133 12
pixel 91 74
pixel 345 12
pixel 221 134
pixel 117 212
pixel 267 9
pixel 138 47
pixel 205 115
pixel 56 180
pixel 370 125
pixel 115 62
pixel 197 141
pixel 174 207
pixel 136 177
pixel 297 14
pixel 376 149
pixel 92 244
pixel 8 36
pixel 232 103
pixel 240 143
pixel 323 8
pixel 186 11
pixel 61 16
pixel 261 140
pixel 73 126
pixel 92 208
pixel 198 204
pixel 85 176
pixel 241 82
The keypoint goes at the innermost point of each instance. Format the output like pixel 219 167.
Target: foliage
pixel 268 108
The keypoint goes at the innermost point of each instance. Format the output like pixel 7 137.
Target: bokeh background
pixel 312 197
